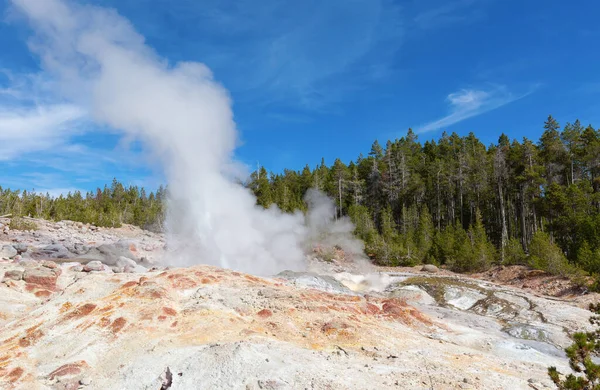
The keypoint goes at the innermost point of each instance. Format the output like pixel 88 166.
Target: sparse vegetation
pixel 547 256
pixel 22 224
pixel 586 346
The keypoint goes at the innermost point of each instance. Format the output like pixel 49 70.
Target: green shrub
pixel 547 256
pixel 19 223
pixel 464 251
pixel 589 259
pixel 514 253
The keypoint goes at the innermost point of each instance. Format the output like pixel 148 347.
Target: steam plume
pixel 185 118
pixel 326 230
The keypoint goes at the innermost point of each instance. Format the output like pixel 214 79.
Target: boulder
pixel 8 252
pixel 430 268
pixel 75 267
pixel 20 247
pixel 42 277
pixel 15 274
pixel 79 248
pixel 49 264
pixel 412 294
pixel 55 251
pixel 122 263
pixel 109 254
pixel 93 266
pixel 28 263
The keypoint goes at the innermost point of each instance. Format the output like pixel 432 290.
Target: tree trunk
pixel 524 239
pixel 439 207
pixel 504 237
pixel 340 192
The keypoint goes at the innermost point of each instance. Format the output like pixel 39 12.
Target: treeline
pixel 108 207
pixel 454 201
pixel 458 202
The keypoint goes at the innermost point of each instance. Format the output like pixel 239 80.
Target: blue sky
pixel 312 79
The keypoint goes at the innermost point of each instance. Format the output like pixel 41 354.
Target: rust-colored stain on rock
pixel 32 335
pixel 253 278
pixel 80 311
pixel 181 282
pixel 118 324
pixel 43 294
pixel 41 278
pixel 333 326
pixel 68 369
pixel 15 374
pixel 265 313
pixel 129 284
pixel 371 309
pixel 104 322
pixel 66 307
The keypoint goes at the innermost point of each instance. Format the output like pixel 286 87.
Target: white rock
pixel 7 252
pixel 93 266
pixel 85 381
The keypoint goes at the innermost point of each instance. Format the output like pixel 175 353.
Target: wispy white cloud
pixel 449 12
pixel 468 103
pixel 32 118
pixel 40 128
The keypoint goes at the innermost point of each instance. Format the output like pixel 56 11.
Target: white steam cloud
pixel 184 116
pixel 325 230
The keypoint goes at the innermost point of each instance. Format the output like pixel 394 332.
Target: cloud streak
pixel 32 118
pixel 467 103
pixel 26 130
pixel 449 13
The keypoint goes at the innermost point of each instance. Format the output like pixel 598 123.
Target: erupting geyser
pixel 183 117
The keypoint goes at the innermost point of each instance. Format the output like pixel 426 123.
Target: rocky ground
pixel 86 307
